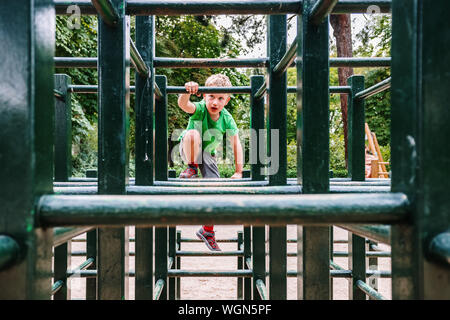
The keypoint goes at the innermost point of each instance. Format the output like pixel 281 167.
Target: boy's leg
pixel 190 147
pixel 209 169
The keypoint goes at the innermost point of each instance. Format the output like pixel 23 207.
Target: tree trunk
pixel 342 31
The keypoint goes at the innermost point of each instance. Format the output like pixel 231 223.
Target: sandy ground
pixel 226 288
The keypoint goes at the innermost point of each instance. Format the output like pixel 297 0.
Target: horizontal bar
pixel 161 62
pixel 75 62
pixel 321 10
pixel 202 90
pixel 83 266
pixel 262 290
pixel 209 273
pixel 287 59
pixel 62 235
pixel 208 253
pixel 305 209
pixel 159 286
pixel 439 248
pixel 368 290
pixel 217 240
pixel 137 61
pixel 342 7
pixel 360 62
pixel 375 89
pixel 9 251
pixel 378 233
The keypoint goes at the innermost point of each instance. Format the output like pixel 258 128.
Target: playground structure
pixel 410 211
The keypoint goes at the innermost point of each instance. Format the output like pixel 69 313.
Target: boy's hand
pixel 192 88
pixel 237 175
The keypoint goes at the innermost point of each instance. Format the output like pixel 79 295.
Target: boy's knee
pixel 192 135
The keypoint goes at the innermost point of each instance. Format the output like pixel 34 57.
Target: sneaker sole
pixel 201 237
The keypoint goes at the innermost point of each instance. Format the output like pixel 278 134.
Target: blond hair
pixel 218 80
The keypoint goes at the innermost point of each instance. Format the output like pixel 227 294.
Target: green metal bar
pixel 107 10
pixel 373 256
pixel 315 209
pixel 57 286
pixel 59 95
pixel 321 10
pixel 360 62
pixel 144 263
pixel 161 257
pixel 202 90
pixel 277 100
pixel 137 61
pixel 257 126
pixel 439 248
pixel 375 89
pixel 261 91
pixel 161 128
pixel 196 273
pixel 365 288
pixel 247 255
pixel 313 112
pixel 159 288
pixel 357 263
pixel 9 252
pixel 144 104
pixel 377 233
pixel 238 253
pixel 62 235
pixel 178 266
pixel 71 62
pixel 161 62
pixel 172 265
pixel 362 6
pixel 356 130
pixel 262 290
pixel 287 59
pixel 61 264
pixel 83 266
pixel 26 135
pixel 259 258
pixel 91 254
pixel 240 266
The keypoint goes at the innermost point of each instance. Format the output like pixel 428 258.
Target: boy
pixel 208 121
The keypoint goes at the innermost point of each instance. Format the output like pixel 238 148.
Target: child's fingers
pixel 191 87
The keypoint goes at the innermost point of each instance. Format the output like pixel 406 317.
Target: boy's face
pixel 216 102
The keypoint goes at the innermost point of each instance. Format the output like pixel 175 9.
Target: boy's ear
pixel 228 99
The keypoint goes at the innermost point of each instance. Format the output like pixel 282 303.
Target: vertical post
pixel 356 263
pixel 114 101
pixel 62 257
pixel 63 129
pixel 420 82
pixel 259 258
pixel 240 266
pixel 257 127
pixel 172 254
pixel 161 259
pixel 91 252
pixel 247 255
pixel 313 113
pixel 145 43
pixel 161 161
pixel 277 168
pixel 144 263
pixel 178 266
pixel 356 127
pixel 26 135
pixel 373 265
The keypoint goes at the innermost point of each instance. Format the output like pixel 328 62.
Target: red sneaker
pixel 209 239
pixel 190 172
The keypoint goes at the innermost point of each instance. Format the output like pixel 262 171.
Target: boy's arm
pixel 238 156
pixel 183 99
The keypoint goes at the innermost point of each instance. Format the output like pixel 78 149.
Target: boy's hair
pixel 218 80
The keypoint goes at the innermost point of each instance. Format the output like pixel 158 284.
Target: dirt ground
pixel 226 288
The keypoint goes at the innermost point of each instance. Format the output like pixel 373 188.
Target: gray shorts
pixel 207 164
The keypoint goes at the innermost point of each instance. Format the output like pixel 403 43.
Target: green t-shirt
pixel 212 131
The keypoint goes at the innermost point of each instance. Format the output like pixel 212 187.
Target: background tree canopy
pixel 203 37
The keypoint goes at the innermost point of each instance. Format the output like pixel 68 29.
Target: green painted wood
pixel 257 127
pixel 61 263
pixel 63 130
pixel 161 255
pixel 145 43
pixel 277 101
pixel 357 263
pixel 313 111
pixel 113 102
pixel 356 130
pixel 91 253
pixel 161 134
pixel 259 258
pixel 26 135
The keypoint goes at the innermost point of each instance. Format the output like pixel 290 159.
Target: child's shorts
pixel 207 164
